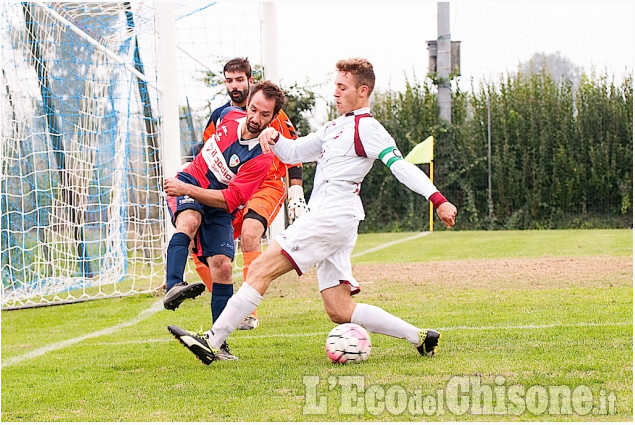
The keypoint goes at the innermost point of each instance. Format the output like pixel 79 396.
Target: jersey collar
pixel 251 143
pixel 364 110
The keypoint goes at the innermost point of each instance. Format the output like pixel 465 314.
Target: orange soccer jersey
pixel 270 196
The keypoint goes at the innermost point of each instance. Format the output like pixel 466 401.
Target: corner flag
pixel 423 153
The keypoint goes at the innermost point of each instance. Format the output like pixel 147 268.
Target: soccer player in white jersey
pixel 345 150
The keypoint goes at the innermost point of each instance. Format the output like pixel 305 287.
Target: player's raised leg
pixel 270 265
pixel 341 309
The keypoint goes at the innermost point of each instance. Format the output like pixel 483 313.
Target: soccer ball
pixel 348 342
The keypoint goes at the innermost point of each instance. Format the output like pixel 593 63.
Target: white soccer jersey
pixel 345 150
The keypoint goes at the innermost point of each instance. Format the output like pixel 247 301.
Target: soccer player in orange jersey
pixel 251 222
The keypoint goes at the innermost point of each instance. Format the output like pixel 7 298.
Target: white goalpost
pixel 101 101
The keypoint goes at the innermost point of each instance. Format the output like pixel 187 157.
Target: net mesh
pixel 83 215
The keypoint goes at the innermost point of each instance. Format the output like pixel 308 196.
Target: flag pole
pixel 423 153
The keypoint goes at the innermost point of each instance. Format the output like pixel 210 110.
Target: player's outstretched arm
pixel 300 150
pixel 417 181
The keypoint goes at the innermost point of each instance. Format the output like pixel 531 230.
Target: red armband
pixel 437 199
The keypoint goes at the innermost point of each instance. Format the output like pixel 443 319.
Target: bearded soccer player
pixel 345 150
pixel 215 185
pixel 261 210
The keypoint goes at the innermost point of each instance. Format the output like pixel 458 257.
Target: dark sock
pixel 221 293
pixel 178 250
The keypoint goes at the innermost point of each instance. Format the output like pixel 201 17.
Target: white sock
pixel 377 320
pixel 239 306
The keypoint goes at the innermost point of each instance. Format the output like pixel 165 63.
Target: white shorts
pixel 323 240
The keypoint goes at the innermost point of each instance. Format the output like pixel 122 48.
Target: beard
pixel 238 96
pixel 254 128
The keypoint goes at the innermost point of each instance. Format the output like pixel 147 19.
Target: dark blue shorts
pixel 216 234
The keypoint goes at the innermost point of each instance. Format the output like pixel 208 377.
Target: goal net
pixel 82 211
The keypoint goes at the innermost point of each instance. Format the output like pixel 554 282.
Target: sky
pixel 495 37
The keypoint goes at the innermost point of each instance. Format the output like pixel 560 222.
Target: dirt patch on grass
pixel 548 272
pixel 530 273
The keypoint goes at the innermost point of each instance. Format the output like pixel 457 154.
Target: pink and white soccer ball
pixel 348 342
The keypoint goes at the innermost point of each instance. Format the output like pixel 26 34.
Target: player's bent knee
pixel 339 317
pixel 188 222
pixel 267 267
pixel 221 268
pixel 339 312
pixel 251 235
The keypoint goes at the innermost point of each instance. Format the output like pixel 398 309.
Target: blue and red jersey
pixel 227 163
pixel 280 122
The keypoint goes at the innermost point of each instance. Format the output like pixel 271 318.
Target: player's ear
pixel 363 90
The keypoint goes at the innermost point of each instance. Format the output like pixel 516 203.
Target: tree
pixel 300 102
pixel 561 68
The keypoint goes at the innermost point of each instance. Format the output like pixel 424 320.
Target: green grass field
pixel 537 326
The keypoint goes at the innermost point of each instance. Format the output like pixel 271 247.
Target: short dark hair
pixel 270 91
pixel 238 65
pixel 362 69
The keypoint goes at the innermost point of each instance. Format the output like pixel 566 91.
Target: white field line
pixel 389 244
pixel 157 306
pixel 446 329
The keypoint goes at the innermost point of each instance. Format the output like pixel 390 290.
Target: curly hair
pixel 361 69
pixel 270 91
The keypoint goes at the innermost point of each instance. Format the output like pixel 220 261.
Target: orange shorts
pixel 266 202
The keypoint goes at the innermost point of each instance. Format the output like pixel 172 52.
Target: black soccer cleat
pixel 197 343
pixel 224 353
pixel 181 291
pixel 428 342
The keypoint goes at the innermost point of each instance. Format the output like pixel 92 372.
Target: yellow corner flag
pixel 423 153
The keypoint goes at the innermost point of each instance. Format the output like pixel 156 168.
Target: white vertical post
pixel 444 60
pixel 169 98
pixel 269 19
